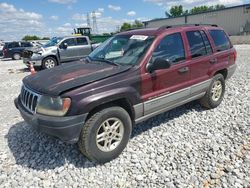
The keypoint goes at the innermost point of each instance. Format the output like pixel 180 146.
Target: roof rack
pixel 185 25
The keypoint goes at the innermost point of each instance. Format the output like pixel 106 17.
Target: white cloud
pixel 79 17
pixel 100 10
pixel 187 4
pixel 114 8
pixel 15 23
pixel 131 13
pixel 55 18
pixel 63 1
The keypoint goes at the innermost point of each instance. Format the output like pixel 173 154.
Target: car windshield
pixel 52 42
pixel 122 49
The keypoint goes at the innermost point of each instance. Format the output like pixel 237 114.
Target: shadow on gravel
pixel 7 59
pixel 38 151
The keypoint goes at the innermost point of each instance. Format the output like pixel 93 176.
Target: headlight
pixel 53 106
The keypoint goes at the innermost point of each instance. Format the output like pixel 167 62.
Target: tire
pixel 214 95
pixel 95 127
pixel 16 56
pixel 49 63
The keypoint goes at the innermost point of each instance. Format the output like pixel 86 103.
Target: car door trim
pixel 167 102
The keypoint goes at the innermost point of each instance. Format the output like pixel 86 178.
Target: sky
pixel 47 18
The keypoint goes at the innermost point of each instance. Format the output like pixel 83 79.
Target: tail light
pixel 235 55
pixel 5 50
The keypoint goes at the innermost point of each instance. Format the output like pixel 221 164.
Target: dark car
pixel 131 77
pixel 15 50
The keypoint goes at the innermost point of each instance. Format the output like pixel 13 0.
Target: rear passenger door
pixel 70 53
pixel 200 60
pixel 222 44
pixel 83 47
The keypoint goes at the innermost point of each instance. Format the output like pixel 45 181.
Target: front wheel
pixel 105 134
pixel 49 63
pixel 215 92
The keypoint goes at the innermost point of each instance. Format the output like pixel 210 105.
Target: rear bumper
pixel 231 70
pixel 67 129
pixel 35 62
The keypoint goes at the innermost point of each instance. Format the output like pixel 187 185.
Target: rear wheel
pixel 16 56
pixel 105 134
pixel 215 93
pixel 49 63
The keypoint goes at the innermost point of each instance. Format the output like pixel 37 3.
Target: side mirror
pixel 64 45
pixel 158 64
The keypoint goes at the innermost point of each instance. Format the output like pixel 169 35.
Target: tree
pixel 176 11
pixel 45 38
pixel 205 8
pixel 137 24
pixel 199 9
pixel 126 26
pixel 30 37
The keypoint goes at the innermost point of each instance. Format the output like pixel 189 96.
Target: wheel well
pixel 223 72
pixel 123 103
pixel 53 57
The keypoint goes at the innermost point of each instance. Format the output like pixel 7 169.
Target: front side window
pixel 26 44
pixel 70 42
pixel 221 40
pixel 171 48
pixel 123 49
pixel 196 44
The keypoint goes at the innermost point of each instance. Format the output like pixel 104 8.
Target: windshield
pixel 52 42
pixel 123 49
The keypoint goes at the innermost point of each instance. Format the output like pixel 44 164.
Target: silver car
pixel 59 50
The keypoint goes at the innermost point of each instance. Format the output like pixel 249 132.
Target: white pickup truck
pixel 59 50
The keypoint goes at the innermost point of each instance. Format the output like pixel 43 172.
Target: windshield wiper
pixel 105 61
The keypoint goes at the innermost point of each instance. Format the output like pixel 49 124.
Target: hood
pixel 68 76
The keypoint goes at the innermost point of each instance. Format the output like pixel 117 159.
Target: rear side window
pixel 14 45
pixel 82 41
pixel 206 42
pixel 196 44
pixel 171 48
pixel 220 39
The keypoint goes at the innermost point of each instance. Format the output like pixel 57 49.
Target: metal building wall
pixel 233 20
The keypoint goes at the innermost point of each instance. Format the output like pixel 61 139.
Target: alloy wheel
pixel 110 134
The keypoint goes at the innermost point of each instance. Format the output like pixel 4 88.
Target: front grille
pixel 27 53
pixel 29 99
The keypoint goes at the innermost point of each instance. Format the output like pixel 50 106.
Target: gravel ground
pixel 186 147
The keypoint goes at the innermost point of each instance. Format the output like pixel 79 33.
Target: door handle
pixel 183 70
pixel 213 61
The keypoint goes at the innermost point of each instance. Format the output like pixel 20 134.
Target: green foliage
pixel 34 37
pixel 45 38
pixel 126 26
pixel 176 10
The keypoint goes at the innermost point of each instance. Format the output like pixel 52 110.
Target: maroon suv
pixel 131 77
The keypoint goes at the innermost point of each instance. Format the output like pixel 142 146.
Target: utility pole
pixel 95 29
pixel 88 20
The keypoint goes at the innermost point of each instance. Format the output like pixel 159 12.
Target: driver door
pixel 71 52
pixel 169 86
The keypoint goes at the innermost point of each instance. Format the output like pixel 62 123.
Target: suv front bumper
pixel 67 129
